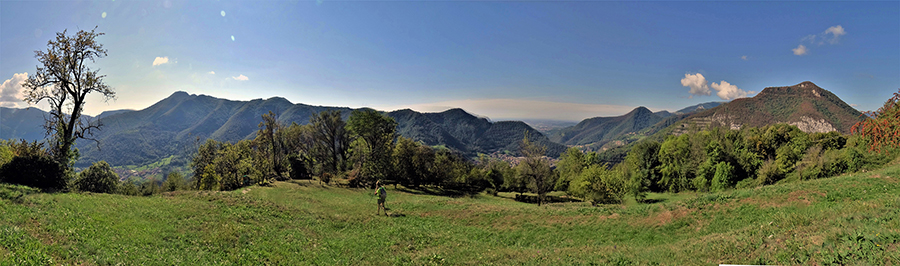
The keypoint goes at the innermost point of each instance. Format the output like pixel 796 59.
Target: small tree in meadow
pixel 99 178
pixel 535 169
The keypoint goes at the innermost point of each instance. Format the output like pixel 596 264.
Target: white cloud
pixel 800 50
pixel 11 94
pixel 160 60
pixel 697 83
pixel 211 72
pixel 836 32
pixel 513 109
pixel 728 92
pixel 745 58
pixel 241 78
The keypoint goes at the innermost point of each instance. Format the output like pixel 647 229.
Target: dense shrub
pixel 128 187
pixel 37 171
pixel 99 178
pixel 174 181
pixel 600 185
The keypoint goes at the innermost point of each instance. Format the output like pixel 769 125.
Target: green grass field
pixel 851 219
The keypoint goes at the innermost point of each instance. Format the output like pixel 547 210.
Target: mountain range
pixel 595 132
pixel 805 105
pixel 175 125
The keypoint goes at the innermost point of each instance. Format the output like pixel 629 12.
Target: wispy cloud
pixel 241 78
pixel 160 60
pixel 511 109
pixel 831 35
pixel 697 83
pixel 800 50
pixel 11 94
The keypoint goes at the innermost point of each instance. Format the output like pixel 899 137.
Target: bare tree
pixel 65 81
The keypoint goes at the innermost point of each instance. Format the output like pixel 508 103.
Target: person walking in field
pixel 381 192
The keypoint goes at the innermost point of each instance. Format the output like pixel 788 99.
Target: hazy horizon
pixel 563 61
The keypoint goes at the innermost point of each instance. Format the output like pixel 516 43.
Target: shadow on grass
pixel 309 183
pixel 436 191
pixel 651 201
pixel 15 193
pixel 533 199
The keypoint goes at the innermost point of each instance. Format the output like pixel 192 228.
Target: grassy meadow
pixel 850 219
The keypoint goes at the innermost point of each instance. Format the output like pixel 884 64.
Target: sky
pixel 507 60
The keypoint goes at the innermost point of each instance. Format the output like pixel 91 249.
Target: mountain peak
pixel 179 94
pixel 806 88
pixel 806 84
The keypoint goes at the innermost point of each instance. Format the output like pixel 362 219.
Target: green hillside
pixel 174 125
pixel 599 129
pixel 461 131
pixel 22 123
pixel 850 219
pixel 602 133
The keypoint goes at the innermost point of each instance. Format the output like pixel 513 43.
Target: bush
pixel 599 185
pixel 723 177
pixel 6 154
pixel 99 178
pixel 128 187
pixel 768 173
pixel 174 181
pixel 150 187
pixel 34 171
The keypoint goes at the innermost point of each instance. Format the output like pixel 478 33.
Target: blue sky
pixel 563 60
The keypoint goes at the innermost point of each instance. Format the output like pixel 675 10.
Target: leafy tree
pixel 174 181
pixel 535 169
pixel 127 187
pixel 99 178
pixel 225 166
pixel 209 179
pixel 570 165
pixel 723 178
pixel 150 187
pixel 65 82
pixel 300 145
pixel 376 132
pixel 496 172
pixel 404 162
pixel 6 154
pixel 202 163
pixel 881 128
pixel 600 185
pixel 674 156
pixel 331 140
pixel 423 163
pixel 642 165
pixel 270 143
pixel 234 166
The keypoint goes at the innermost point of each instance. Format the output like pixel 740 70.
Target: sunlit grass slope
pixel 851 219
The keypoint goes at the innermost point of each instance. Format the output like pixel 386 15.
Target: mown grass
pixel 851 219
